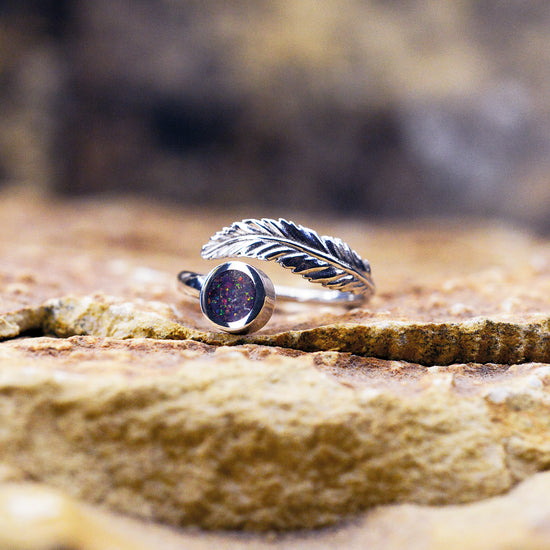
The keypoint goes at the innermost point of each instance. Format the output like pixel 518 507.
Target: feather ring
pixel 324 260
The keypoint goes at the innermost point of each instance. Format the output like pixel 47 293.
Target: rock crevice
pixel 477 340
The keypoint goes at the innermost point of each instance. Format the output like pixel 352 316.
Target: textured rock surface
pixel 136 405
pixel 246 437
pixel 34 518
pixel 446 293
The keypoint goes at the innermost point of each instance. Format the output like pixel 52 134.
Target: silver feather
pixel 325 260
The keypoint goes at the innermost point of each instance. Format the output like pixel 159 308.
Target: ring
pixel 239 298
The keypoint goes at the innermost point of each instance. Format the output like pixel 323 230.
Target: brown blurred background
pixel 388 108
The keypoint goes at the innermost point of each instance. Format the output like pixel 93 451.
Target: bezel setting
pixel 263 301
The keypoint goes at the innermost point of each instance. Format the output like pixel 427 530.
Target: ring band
pixel 239 298
pixel 191 283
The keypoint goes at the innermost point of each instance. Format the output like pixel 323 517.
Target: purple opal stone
pixel 229 297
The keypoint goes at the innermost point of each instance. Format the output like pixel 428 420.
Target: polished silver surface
pixel 191 283
pixel 323 260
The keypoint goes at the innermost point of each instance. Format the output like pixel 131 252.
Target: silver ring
pixel 239 298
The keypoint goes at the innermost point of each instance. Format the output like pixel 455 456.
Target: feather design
pixel 320 259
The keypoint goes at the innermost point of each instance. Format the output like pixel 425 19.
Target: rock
pixel 483 340
pixel 517 520
pixel 262 438
pixel 429 309
pixel 115 390
pixel 35 518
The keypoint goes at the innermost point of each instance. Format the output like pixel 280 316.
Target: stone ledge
pixel 251 437
pixel 502 339
pixel 151 413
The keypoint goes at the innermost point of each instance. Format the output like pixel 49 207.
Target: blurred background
pixel 360 108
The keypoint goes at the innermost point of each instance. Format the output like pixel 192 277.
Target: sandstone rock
pixel 445 294
pixel 517 520
pixel 35 518
pixel 262 438
pixel 433 393
pixel 497 339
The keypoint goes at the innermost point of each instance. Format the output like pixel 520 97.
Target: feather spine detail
pixel 324 260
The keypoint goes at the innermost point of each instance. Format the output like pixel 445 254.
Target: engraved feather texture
pixel 325 260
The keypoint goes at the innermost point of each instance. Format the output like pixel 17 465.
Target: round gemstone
pixel 229 296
